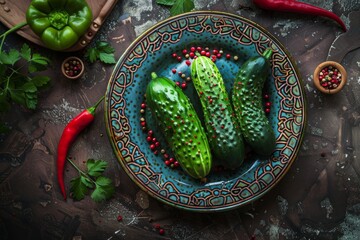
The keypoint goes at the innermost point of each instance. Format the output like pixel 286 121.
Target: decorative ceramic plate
pixel 154 51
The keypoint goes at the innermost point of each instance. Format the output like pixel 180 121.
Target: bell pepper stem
pixel 13 29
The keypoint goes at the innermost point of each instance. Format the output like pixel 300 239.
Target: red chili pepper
pixel 71 131
pixel 298 7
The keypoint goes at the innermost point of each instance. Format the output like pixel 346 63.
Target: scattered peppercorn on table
pixel 120 180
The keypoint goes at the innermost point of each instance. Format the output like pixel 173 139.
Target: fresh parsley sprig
pixel 19 79
pixel 102 51
pixel 102 187
pixel 177 6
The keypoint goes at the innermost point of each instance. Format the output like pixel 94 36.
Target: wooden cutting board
pixel 12 12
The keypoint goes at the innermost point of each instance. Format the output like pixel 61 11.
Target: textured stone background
pixel 317 199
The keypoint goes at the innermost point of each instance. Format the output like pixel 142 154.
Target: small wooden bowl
pixel 72 67
pixel 318 72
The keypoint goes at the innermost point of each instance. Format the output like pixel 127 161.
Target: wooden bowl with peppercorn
pixel 329 77
pixel 72 67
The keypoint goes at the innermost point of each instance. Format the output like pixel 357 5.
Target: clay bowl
pixel 72 67
pixel 329 77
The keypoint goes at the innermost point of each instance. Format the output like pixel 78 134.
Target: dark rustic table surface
pixel 317 199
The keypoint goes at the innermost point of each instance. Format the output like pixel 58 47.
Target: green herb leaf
pixel 91 54
pixel 38 63
pixel 105 47
pixel 107 58
pixel 10 58
pixel 104 189
pixel 96 167
pixel 37 58
pixel 40 81
pixel 25 52
pixel 18 97
pixel 31 102
pixel 166 2
pixel 102 51
pixel 182 6
pixel 29 87
pixel 87 182
pixel 78 187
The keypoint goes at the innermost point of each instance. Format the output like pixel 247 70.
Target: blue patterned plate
pixel 152 51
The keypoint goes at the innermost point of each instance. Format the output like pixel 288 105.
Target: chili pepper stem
pixel 13 29
pixel 93 108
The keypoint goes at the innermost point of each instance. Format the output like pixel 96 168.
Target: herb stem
pixel 13 29
pixel 8 81
pixel 80 171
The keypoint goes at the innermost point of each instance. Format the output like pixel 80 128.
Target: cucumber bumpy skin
pixel 181 126
pixel 247 101
pixel 222 128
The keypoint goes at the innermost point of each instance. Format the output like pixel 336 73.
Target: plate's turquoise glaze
pixel 152 52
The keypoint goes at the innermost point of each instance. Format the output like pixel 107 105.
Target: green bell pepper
pixel 59 23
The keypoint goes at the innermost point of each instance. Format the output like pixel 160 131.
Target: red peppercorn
pixel 183 85
pixel 119 218
pixel 192 49
pixel 161 231
pixel 173 70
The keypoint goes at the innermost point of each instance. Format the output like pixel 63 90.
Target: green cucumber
pixel 222 128
pixel 248 106
pixel 181 125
